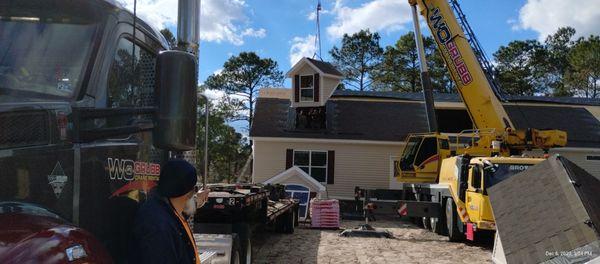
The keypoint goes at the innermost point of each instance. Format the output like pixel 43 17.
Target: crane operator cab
pixel 420 160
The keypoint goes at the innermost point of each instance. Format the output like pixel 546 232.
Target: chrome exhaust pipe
pixel 188 26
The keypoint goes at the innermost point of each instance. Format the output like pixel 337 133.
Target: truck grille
pixel 20 129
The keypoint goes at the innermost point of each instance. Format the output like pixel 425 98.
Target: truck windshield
pixel 409 153
pixel 44 48
pixel 501 172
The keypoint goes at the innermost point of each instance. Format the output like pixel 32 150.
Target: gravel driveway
pixel 410 245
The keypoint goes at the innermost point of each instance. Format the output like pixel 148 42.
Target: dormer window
pixel 307 88
pixel 313 82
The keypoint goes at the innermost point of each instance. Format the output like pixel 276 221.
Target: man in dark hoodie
pixel 161 233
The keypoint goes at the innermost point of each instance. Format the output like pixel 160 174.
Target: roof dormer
pixel 313 82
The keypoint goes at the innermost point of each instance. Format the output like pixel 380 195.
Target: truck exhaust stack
pixel 188 26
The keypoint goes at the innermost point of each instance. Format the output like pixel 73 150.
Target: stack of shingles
pixel 325 213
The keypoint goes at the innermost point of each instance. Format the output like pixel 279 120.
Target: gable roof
pixel 301 176
pixel 393 121
pixel 323 68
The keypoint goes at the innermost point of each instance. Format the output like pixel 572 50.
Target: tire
pixel 290 222
pixel 280 224
pixel 438 224
pixel 435 225
pixel 246 257
pixel 452 222
pixel 235 251
pixel 245 244
pixel 296 210
pixel 426 222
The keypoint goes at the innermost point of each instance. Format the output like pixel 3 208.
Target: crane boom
pixel 476 91
pixel 495 134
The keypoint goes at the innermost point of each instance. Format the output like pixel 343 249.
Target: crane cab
pixel 421 158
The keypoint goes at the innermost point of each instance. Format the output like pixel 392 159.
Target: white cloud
pixel 376 15
pixel 546 16
pixel 214 95
pixel 218 71
pixel 257 33
pixel 302 47
pixel 312 15
pixel 221 20
pixel 217 96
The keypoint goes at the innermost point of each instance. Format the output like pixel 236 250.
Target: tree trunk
pixel 251 109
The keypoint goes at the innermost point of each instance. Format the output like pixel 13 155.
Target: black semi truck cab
pixel 89 110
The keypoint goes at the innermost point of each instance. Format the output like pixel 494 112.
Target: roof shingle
pixel 393 121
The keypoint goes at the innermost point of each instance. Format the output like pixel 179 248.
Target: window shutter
pixel 289 158
pixel 316 84
pixel 296 88
pixel 330 166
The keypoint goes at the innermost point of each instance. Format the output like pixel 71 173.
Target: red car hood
pixel 44 239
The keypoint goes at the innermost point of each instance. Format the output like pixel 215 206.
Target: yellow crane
pixel 447 176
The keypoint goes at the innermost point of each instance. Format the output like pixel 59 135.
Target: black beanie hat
pixel 177 178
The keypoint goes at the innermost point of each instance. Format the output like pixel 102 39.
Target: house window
pixel 307 88
pixel 314 163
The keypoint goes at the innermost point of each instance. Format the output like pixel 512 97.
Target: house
pixel 347 138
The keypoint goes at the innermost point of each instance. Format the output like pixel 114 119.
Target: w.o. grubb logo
pixel 129 170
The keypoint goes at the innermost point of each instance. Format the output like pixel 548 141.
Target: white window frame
pixel 310 166
pixel 300 88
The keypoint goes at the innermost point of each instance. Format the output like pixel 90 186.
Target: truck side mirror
pixel 176 101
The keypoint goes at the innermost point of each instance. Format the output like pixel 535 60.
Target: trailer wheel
pixel 247 257
pixel 452 222
pixel 290 222
pixel 280 224
pixel 245 244
pixel 235 251
pixel 296 208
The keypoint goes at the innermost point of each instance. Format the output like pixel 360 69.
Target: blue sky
pixel 273 27
pixel 284 30
pixel 284 22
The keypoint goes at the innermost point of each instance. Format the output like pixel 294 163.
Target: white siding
pixel 329 85
pixel 579 157
pixel 364 165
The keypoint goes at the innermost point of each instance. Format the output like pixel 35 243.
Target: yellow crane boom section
pixel 483 106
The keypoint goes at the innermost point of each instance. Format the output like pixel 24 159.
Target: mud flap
pixel 470 234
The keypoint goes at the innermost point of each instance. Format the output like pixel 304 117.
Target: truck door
pixel 474 194
pixel 119 163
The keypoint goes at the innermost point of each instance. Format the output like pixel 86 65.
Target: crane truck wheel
pixel 427 223
pixel 452 222
pixel 435 224
pixel 438 224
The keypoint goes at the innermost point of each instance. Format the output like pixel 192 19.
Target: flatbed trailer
pixel 234 213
